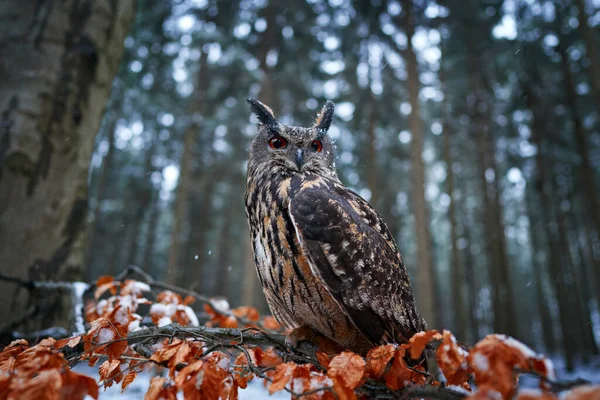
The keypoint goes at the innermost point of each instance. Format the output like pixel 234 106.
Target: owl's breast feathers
pixel 325 252
pixel 351 249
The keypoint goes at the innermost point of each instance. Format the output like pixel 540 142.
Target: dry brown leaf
pixel 127 379
pixel 452 360
pixel 71 342
pixel 271 323
pixel 346 371
pixel 378 358
pixel 419 341
pixel 283 374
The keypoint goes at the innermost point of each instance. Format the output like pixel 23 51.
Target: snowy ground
pixel 256 389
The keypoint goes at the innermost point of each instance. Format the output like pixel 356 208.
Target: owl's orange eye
pixel 278 143
pixel 316 146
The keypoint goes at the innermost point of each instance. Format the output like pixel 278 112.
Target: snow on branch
pixel 218 357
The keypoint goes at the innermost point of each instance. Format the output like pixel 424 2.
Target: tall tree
pixel 456 265
pixel 190 137
pixel 591 48
pixel 426 290
pixel 58 61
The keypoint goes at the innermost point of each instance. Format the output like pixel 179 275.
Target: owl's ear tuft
pixel 325 117
pixel 263 112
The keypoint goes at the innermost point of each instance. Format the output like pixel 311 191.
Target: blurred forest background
pixel 472 126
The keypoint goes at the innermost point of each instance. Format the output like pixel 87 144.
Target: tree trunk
pixel 268 43
pixel 425 272
pixel 544 186
pixel 150 238
pixel 539 274
pixel 371 156
pixel 102 179
pixel 180 213
pixel 58 62
pixel 201 224
pixel 456 266
pixel 591 48
pixel 223 260
pixel 473 297
pixel 586 171
pixel 495 241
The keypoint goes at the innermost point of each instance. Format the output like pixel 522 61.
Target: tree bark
pixel 586 171
pixel 102 179
pixel 268 43
pixel 150 237
pixel 200 228
pixel 456 266
pixel 591 48
pixel 223 260
pixel 543 185
pixel 58 62
pixel 495 241
pixel 425 272
pixel 180 213
pixel 539 273
pixel 371 156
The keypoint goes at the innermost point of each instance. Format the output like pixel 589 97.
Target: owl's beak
pixel 299 158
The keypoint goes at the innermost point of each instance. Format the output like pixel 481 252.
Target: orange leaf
pixel 399 375
pixel 271 323
pixel 103 284
pixel 323 359
pixel 7 356
pixel 103 280
pixel 452 360
pixel 268 358
pixel 378 358
pixel 167 352
pixel 494 359
pixel 129 377
pixel 346 370
pixel 71 342
pixel 180 357
pixel 230 389
pixel 249 313
pixel 77 386
pixel 283 374
pixel 188 370
pixel 45 385
pixel 419 341
pixel 586 392
pixel 158 390
pixel 109 370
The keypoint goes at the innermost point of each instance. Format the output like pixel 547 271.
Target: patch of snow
pixel 526 351
pixel 79 289
pixel 189 312
pixel 164 321
pixel 105 335
pixel 481 362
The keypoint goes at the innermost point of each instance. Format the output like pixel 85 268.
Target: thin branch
pixel 204 333
pixel 555 385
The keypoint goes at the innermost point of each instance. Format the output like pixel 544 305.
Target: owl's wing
pixel 351 249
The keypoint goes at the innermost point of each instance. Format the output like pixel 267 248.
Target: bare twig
pixel 555 385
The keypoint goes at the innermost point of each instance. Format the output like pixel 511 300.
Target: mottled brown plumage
pixel 325 258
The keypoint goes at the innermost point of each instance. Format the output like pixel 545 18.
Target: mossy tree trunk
pixel 58 62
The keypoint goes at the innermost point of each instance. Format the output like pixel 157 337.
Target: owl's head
pixel 293 149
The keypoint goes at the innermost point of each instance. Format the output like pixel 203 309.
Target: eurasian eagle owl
pixel 326 260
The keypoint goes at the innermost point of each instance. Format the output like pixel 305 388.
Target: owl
pixel 327 262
